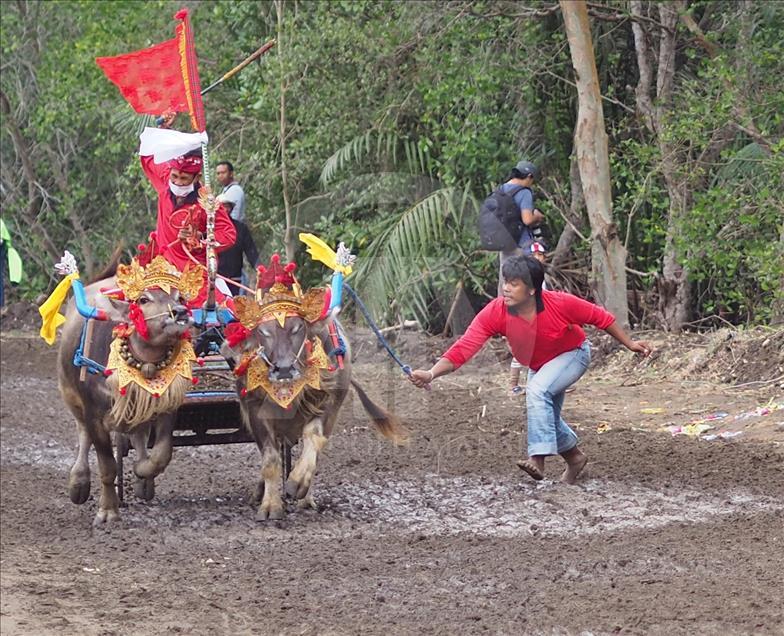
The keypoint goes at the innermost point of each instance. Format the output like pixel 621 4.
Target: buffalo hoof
pixel 106 518
pixel 144 488
pixel 274 514
pixel 79 492
pixel 307 503
pixel 297 490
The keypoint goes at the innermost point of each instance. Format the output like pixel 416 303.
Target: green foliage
pixel 400 117
pixel 731 238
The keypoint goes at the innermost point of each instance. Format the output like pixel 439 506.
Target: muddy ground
pixel 663 534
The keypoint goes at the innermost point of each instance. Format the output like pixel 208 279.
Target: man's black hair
pixel 530 271
pixel 226 163
pixel 523 170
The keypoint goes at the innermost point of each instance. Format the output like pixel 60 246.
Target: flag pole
pixel 212 261
pixel 209 207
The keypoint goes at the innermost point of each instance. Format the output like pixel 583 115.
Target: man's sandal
pixel 528 467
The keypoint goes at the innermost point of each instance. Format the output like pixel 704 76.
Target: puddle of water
pixel 449 506
pixel 434 505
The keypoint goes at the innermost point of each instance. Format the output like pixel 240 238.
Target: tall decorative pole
pixel 147 81
pixel 208 203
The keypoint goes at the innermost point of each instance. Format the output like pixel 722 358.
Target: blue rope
pixel 80 361
pixel 406 368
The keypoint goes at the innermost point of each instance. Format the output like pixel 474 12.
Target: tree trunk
pixel 575 217
pixel 60 174
pixel 608 255
pixel 674 287
pixel 31 210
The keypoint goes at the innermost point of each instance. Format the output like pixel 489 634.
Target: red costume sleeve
pixel 157 173
pixel 225 233
pixel 582 312
pixel 481 328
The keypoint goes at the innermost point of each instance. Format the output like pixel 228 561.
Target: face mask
pixel 180 191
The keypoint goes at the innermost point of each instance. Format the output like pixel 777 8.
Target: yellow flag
pixel 50 310
pixel 320 251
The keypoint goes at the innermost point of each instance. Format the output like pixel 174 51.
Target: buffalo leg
pixel 143 487
pixel 109 503
pixel 79 477
pixel 271 506
pixel 161 452
pixel 300 479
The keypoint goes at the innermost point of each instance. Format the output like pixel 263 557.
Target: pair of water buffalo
pixel 100 406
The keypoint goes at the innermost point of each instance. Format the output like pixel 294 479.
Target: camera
pixel 537 233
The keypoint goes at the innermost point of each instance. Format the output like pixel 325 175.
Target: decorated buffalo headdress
pixel 133 279
pixel 279 295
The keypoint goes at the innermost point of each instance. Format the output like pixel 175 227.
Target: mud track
pixel 663 535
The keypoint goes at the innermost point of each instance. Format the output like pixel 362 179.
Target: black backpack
pixel 500 225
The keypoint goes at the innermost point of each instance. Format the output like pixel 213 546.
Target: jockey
pixel 182 220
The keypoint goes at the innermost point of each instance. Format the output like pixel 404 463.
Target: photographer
pixel 520 181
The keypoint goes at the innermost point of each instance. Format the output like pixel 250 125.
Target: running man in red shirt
pixel 544 331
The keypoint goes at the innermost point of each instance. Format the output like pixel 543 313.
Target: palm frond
pixel 397 265
pixel 377 147
pixel 128 122
pixel 745 164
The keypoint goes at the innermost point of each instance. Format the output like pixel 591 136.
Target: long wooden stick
pixel 253 56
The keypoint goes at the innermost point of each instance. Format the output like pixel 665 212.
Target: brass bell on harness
pixel 149 370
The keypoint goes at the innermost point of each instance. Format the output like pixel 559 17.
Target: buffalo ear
pixel 118 310
pixel 230 354
pixel 236 350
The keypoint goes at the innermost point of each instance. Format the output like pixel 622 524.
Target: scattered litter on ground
pixel 722 435
pixel 603 427
pixel 692 430
pixel 698 427
pixel 652 410
pixel 712 417
pixel 761 411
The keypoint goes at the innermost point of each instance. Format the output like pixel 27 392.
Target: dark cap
pixel 526 168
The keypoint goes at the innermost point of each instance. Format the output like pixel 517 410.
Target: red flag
pixel 161 78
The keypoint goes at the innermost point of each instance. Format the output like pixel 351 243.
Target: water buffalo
pixel 104 404
pixel 288 392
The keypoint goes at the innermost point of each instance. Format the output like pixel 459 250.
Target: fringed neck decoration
pixel 155 378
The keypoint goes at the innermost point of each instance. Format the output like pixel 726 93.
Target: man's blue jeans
pixel 548 434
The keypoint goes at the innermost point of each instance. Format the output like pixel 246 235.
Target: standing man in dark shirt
pixel 230 261
pixel 520 181
pixel 232 196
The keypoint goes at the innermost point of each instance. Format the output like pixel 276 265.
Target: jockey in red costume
pixel 182 221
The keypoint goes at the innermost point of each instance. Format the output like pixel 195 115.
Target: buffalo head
pixel 282 347
pixel 159 315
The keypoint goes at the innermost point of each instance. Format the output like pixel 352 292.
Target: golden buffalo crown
pixel 133 279
pixel 278 295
